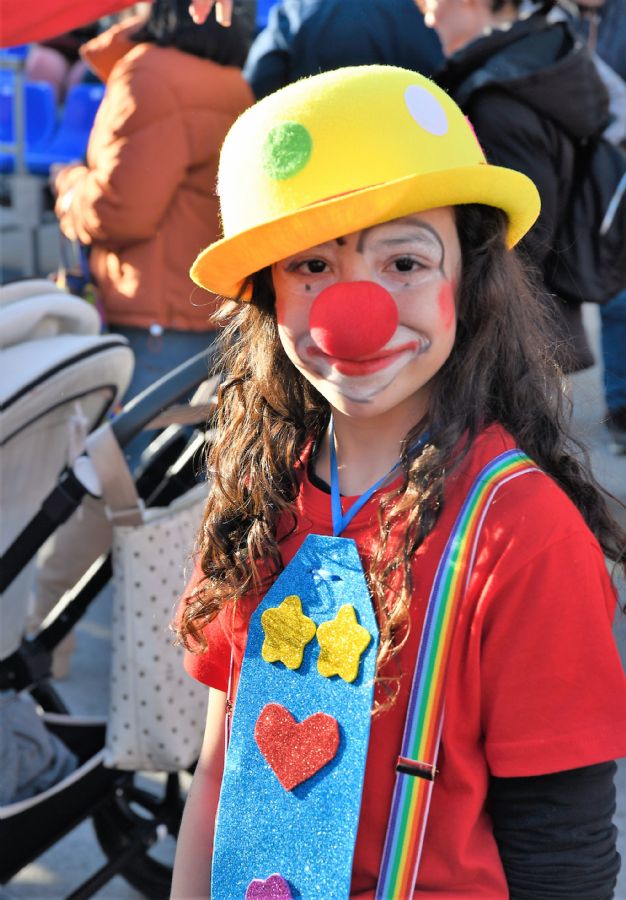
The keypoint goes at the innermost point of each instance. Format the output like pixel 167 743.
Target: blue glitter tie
pixel 303 683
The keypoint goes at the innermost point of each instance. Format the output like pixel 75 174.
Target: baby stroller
pixel 63 377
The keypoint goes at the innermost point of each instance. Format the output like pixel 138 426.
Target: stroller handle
pixel 167 390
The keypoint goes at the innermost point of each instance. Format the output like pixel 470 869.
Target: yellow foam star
pixel 342 641
pixel 287 632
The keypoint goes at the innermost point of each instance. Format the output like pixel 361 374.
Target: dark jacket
pixel 304 37
pixel 532 93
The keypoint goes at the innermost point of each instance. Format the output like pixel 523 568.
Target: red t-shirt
pixel 535 683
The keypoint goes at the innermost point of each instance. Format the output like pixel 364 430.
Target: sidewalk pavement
pixel 58 872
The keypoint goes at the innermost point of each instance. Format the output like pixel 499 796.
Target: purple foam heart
pixel 273 888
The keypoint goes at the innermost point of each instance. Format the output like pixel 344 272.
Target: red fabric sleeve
pixel 225 637
pixel 553 687
pixel 212 666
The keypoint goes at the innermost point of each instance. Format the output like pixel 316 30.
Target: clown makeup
pixel 369 318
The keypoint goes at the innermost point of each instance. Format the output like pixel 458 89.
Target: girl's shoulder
pixel 532 507
pixel 533 551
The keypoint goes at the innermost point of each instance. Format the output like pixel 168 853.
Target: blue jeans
pixel 613 317
pixel 155 357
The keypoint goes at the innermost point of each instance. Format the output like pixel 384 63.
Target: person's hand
pixel 55 170
pixel 200 9
pixel 64 202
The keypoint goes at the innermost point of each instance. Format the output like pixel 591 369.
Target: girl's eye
pixel 314 266
pixel 407 264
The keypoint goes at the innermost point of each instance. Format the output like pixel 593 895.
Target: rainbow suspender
pixel 422 731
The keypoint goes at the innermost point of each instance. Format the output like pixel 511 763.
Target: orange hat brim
pixel 224 266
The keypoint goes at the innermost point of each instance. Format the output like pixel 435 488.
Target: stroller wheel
pixel 137 816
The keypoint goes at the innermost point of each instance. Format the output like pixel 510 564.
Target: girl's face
pixel 416 262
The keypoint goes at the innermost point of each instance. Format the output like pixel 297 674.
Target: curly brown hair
pixel 501 369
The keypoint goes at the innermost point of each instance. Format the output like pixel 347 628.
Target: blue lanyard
pixel 341 520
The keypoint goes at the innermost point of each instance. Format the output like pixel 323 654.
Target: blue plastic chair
pixel 40 116
pixel 69 142
pixel 15 53
pixel 262 12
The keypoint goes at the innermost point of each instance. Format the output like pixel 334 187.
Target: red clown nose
pixel 352 319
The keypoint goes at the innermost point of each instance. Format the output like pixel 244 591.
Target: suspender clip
pixel 414 767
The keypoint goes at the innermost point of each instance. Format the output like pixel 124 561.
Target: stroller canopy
pixel 60 377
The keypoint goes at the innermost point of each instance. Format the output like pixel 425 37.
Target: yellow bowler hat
pixel 341 151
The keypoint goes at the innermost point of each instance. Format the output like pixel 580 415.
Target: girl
pixel 388 348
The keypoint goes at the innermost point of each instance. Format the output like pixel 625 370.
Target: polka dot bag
pixel 156 714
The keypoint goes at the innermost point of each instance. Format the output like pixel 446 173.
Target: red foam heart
pixel 295 750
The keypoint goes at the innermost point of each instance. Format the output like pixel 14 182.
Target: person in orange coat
pixel 144 202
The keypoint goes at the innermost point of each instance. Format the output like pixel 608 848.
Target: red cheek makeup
pixel 445 303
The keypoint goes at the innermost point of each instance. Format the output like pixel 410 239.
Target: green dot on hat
pixel 286 150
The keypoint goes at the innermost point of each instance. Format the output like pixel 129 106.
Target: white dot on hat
pixel 426 110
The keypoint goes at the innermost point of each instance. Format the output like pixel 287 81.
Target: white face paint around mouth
pixel 344 376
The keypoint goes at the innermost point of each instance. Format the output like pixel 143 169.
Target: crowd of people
pixel 373 250
pixel 144 213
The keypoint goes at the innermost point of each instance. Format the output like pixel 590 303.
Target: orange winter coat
pixel 145 200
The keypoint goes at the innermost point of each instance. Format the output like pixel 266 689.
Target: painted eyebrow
pixel 407 239
pixel 417 224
